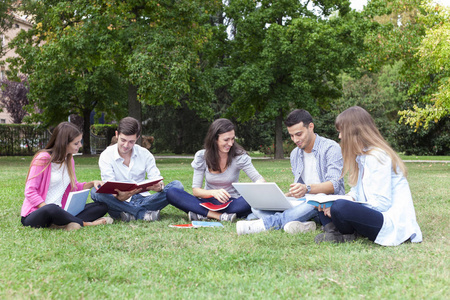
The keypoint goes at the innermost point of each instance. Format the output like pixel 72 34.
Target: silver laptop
pixel 265 196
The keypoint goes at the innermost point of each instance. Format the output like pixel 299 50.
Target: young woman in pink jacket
pixel 50 179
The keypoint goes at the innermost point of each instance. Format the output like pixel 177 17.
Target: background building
pixel 20 23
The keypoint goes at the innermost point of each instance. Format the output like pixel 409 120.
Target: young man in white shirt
pixel 127 161
pixel 317 167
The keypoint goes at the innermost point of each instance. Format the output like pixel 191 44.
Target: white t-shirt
pixel 310 174
pixel 59 180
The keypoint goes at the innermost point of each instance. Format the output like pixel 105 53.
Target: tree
pixel 433 57
pixel 413 31
pixel 14 98
pixel 288 54
pixel 68 74
pixel 6 18
pixel 82 55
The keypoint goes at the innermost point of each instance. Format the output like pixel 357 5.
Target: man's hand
pixel 297 190
pixel 122 196
pixel 156 187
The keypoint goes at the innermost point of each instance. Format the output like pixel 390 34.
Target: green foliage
pixel 151 260
pixel 433 57
pixel 415 32
pixel 382 94
pixel 6 19
pixel 285 55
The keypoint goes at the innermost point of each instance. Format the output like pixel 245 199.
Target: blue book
pixel 206 224
pixel 76 201
pixel 327 200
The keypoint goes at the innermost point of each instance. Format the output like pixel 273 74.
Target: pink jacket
pixel 37 184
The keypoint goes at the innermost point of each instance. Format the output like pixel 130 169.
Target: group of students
pixel 382 209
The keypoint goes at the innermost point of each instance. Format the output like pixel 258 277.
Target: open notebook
pixel 266 196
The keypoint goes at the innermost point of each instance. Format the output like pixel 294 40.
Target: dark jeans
pixel 53 214
pixel 349 217
pixel 187 202
pixel 138 204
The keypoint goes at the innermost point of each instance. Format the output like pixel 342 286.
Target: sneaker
pixel 196 217
pixel 333 235
pixel 299 227
pixel 336 237
pixel 249 227
pixel 151 215
pixel 126 217
pixel 228 217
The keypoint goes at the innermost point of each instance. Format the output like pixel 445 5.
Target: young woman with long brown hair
pixel 50 179
pixel 383 209
pixel 219 164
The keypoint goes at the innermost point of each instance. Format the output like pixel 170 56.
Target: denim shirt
pixel 329 163
pixel 380 188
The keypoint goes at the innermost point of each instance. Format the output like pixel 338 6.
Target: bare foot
pixel 100 221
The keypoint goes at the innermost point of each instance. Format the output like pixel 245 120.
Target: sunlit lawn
pixel 150 260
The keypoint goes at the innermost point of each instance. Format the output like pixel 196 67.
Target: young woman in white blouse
pixel 50 179
pixel 382 209
pixel 219 165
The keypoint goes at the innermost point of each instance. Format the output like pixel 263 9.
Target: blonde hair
pixel 359 136
pixel 61 136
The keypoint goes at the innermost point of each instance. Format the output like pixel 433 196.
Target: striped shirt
pixel 329 163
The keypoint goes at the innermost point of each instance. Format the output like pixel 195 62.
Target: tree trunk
pixel 134 106
pixel 86 131
pixel 279 153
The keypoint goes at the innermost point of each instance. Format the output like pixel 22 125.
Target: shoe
pixel 249 227
pixel 72 226
pixel 299 227
pixel 196 217
pixel 333 235
pixel 228 217
pixel 126 217
pixel 151 215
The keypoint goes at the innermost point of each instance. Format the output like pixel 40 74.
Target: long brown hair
pixel 212 158
pixel 359 135
pixel 61 136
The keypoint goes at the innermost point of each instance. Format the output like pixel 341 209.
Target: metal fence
pixel 98 143
pixel 22 139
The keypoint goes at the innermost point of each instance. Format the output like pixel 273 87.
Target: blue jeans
pixel 187 202
pixel 349 217
pixel 276 220
pixel 138 204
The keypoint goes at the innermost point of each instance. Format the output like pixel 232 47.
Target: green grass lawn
pixel 150 260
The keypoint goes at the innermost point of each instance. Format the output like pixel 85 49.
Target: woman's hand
pixel 97 184
pixel 222 195
pixel 93 184
pixel 326 210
